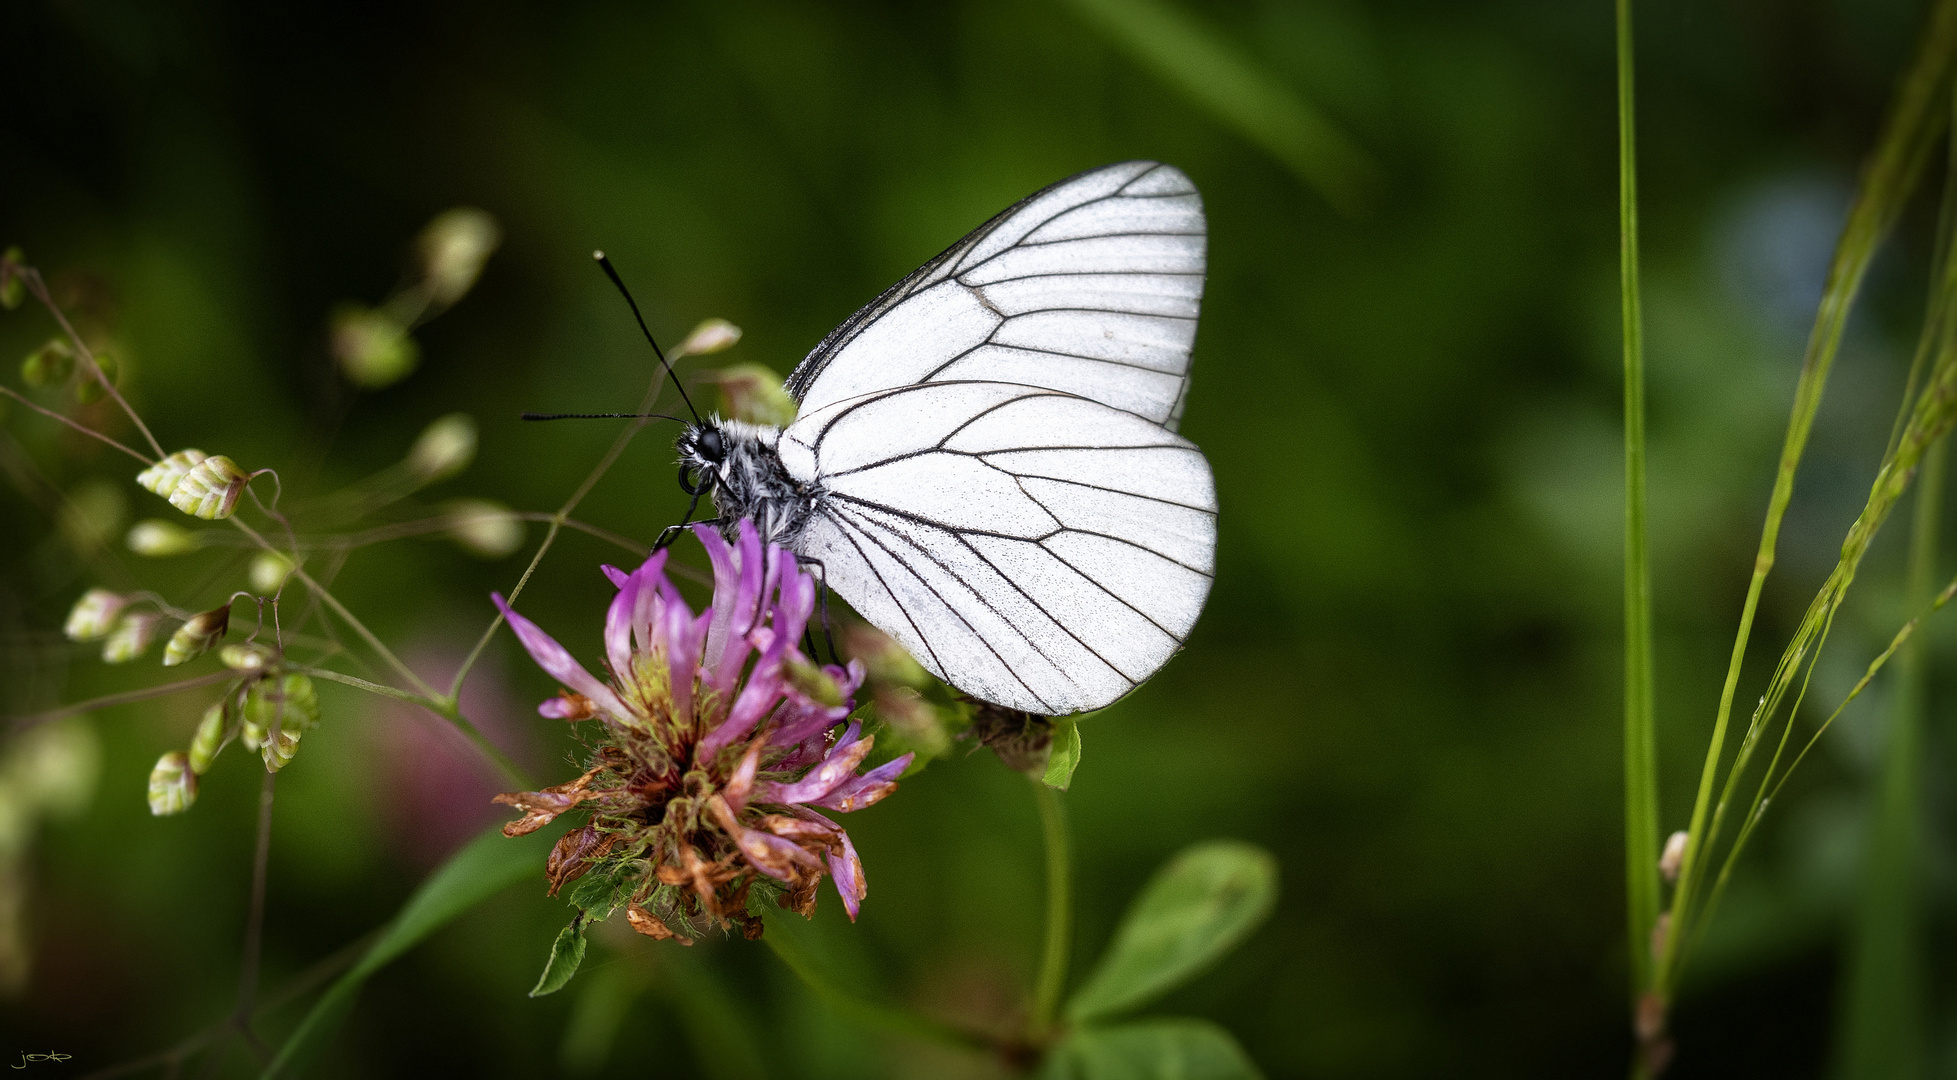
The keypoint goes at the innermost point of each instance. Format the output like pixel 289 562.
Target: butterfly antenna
pixel 612 273
pixel 599 416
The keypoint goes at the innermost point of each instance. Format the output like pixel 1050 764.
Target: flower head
pixel 721 743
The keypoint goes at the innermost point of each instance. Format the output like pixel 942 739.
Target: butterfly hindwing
pixel 1033 548
pixel 1091 287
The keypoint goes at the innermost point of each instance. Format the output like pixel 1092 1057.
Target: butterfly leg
pixel 672 532
pixel 828 632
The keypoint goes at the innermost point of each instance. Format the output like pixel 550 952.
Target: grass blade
pixel 1220 77
pixel 1909 134
pixel 1882 1021
pixel 489 864
pixel 1640 740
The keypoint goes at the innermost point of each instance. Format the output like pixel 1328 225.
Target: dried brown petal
pixel 569 857
pixel 645 922
pixel 540 808
pixel 800 898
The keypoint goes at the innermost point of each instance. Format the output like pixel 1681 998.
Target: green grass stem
pixel 1882 1021
pixel 1052 979
pixel 1640 740
pixel 1909 135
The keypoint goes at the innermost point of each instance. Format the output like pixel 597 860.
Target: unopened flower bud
pixel 49 768
pixel 453 248
pixel 213 732
pixel 277 712
pixel 916 722
pixel 12 288
pixel 195 637
pixel 88 388
pixel 268 572
pixel 814 683
pixel 1673 858
pixel 172 786
pixel 210 489
pixel 131 638
pixel 753 394
pixel 163 476
pixel 94 614
pixel 246 656
pixel 93 513
pixel 373 348
pixel 444 448
pixel 50 364
pixel 157 538
pixel 710 336
pixel 483 528
pixel 885 660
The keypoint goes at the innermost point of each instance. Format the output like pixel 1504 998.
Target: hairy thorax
pixel 738 463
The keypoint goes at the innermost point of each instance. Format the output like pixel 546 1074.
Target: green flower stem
pixel 1640 741
pixel 1059 913
pixel 39 288
pixel 83 428
pixel 870 1014
pixel 326 597
pixel 126 697
pixel 444 707
pixel 558 521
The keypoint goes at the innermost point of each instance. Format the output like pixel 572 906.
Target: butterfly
pixel 985 461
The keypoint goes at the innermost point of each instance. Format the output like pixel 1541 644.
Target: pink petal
pixel 742 782
pixel 768 853
pixel 847 872
pixel 736 597
pixel 835 770
pixel 552 657
pixel 867 789
pixel 618 626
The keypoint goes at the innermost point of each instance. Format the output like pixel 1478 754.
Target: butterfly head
pixel 703 452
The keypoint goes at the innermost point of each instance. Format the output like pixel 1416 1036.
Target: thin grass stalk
pixel 1640 741
pixel 1908 136
pixel 1881 1035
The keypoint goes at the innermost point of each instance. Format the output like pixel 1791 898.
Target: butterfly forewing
pixel 1090 287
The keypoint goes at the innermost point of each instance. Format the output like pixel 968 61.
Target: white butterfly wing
pixel 1032 548
pixel 1091 287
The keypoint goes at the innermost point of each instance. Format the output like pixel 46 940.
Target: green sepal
pixel 1064 756
pixel 605 888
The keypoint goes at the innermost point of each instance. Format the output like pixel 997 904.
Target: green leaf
pixel 1064 757
pixel 1198 907
pixel 489 864
pixel 1151 1050
pixel 603 889
pixel 566 953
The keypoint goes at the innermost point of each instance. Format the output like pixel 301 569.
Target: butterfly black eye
pixel 711 445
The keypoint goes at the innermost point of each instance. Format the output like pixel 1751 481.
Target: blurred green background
pixel 1407 680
